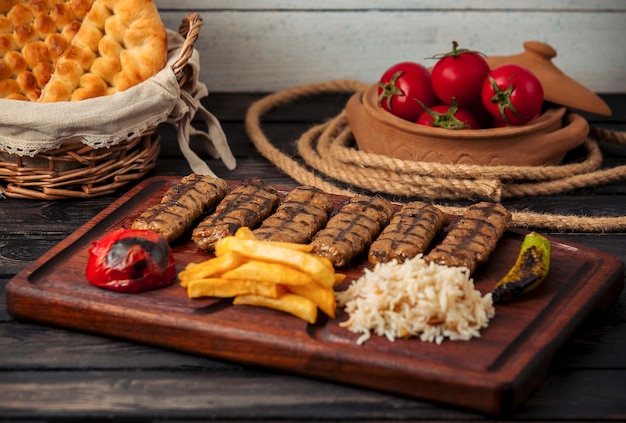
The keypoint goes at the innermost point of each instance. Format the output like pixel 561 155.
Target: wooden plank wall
pixel 269 45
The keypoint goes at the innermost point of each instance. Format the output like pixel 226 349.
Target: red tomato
pixel 459 74
pixel 448 117
pixel 496 122
pixel 483 117
pixel 513 94
pixel 130 260
pixel 402 87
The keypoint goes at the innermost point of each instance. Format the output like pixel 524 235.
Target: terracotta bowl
pixel 543 141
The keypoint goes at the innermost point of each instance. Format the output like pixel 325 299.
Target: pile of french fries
pixel 279 275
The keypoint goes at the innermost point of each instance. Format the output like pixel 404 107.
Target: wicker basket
pixel 77 170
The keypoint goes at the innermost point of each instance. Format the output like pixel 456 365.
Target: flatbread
pixel 53 50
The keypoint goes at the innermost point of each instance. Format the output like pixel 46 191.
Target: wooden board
pixel 492 374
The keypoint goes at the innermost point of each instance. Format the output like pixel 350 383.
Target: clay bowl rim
pixel 369 100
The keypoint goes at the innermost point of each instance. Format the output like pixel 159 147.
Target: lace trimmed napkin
pixel 27 128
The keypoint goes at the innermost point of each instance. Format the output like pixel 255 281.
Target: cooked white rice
pixel 416 298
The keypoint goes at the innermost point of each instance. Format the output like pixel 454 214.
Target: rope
pixel 329 161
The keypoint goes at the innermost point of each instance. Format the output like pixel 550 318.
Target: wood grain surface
pixel 493 374
pixel 269 45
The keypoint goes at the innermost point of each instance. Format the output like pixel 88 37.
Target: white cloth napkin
pixel 28 128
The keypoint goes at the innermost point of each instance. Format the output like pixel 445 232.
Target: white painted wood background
pixel 270 45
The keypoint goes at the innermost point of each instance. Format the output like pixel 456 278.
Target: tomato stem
pixel 455 47
pixel 455 52
pixel 390 89
pixel 446 120
pixel 503 99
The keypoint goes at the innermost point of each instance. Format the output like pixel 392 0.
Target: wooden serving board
pixel 492 374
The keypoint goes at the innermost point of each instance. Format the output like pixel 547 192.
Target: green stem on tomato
pixel 390 89
pixel 456 52
pixel 503 99
pixel 446 120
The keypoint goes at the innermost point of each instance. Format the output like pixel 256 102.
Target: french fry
pixel 339 277
pixel 271 272
pixel 210 268
pixel 305 248
pixel 226 288
pixel 327 262
pixel 264 251
pixel 278 275
pixel 246 233
pixel 293 304
pixel 322 297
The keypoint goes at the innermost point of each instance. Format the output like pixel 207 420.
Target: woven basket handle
pixel 190 29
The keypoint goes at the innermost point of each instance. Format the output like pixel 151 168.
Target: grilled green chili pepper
pixel 530 269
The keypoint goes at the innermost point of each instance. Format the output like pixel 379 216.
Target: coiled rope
pixel 327 154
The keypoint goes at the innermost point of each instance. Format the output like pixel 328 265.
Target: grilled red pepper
pixel 131 260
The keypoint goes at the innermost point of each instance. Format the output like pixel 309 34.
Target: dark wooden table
pixel 51 374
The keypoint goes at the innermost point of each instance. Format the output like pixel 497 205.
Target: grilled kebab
pixel 409 233
pixel 247 204
pixel 352 229
pixel 181 205
pixel 303 212
pixel 472 237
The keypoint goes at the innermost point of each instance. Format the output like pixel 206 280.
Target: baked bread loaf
pixel 56 50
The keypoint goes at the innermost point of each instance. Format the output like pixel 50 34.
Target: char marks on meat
pixel 181 205
pixel 352 229
pixel 247 204
pixel 409 233
pixel 303 212
pixel 473 237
